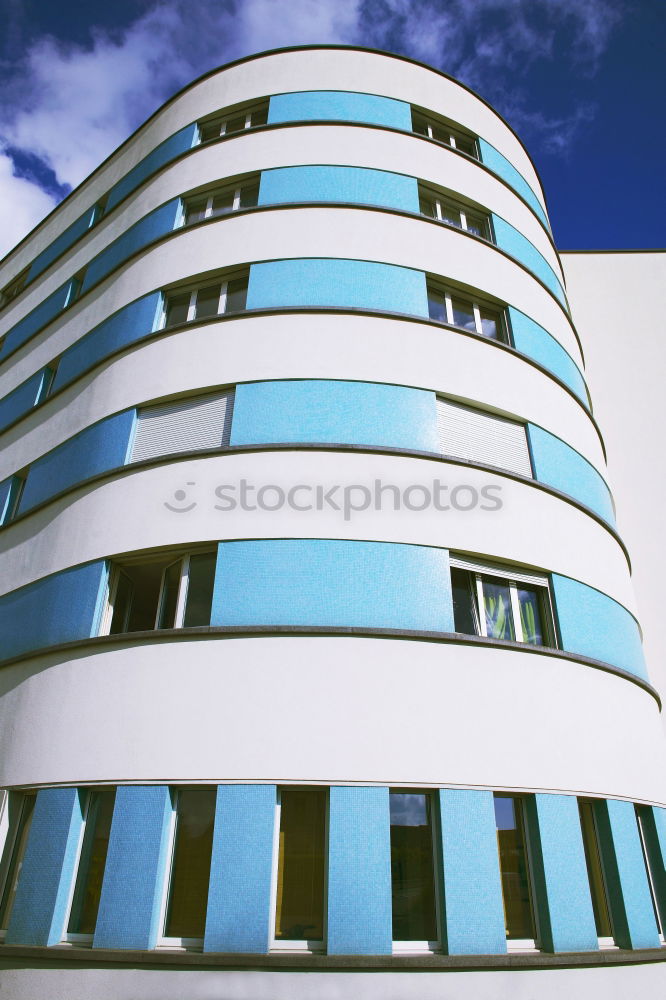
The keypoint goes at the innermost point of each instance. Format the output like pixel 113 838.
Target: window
pixel 645 823
pixel 186 895
pixel 87 888
pixel 234 121
pixel 595 872
pixel 514 870
pixel 441 131
pixel 451 213
pixel 299 896
pixel 482 437
pixel 501 603
pixel 214 299
pixel 97 211
pixel 413 869
pixel 20 809
pixel 46 384
pixel 165 591
pixel 11 497
pixel 189 424
pixel 74 290
pixel 14 288
pixel 455 309
pixel 221 201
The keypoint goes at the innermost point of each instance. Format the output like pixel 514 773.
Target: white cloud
pixel 22 205
pixel 71 105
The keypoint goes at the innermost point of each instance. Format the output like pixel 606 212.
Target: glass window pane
pixel 210 130
pixel 642 819
pixel 177 308
pixel 223 203
pixel 464 602
pixel 235 124
pixel 88 887
pixel 427 207
pixel 208 301
pixel 195 211
pixel 121 604
pixel 200 589
pixel 513 868
pixel 249 195
pixel 437 306
pixel 531 620
pixel 475 225
pixel 594 870
pixel 465 144
pixel 16 860
pixel 190 866
pixel 412 868
pixel 169 599
pixel 236 295
pixel 300 883
pixel 463 314
pixel 491 326
pixel 451 215
pixel 419 124
pixel 259 117
pixel 497 609
pixel 441 133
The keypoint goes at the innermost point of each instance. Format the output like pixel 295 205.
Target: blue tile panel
pixel 149 228
pixel 21 400
pixel 68 238
pixel 504 169
pixel 514 243
pixel 94 450
pixel 560 466
pixel 356 185
pixel 531 339
pixel 42 896
pixel 339 106
pixel 168 150
pixel 363 413
pixel 132 890
pixel 35 320
pixel 59 608
pixel 632 914
pixel 130 324
pixel 359 872
pixel 238 914
pixel 593 624
pixel 654 830
pixel 472 910
pixel 562 889
pixel 320 581
pixel 356 284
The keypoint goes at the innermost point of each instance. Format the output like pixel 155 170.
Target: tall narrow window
pixel 187 897
pixel 299 912
pixel 645 821
pixel 412 868
pixel 595 871
pixel 466 313
pixel 511 846
pixel 88 884
pixel 12 861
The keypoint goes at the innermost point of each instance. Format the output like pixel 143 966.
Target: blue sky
pixel 582 82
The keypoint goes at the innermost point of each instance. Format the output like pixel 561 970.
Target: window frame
pixel 11 843
pixel 454 132
pixel 13 288
pixel 478 305
pixel 440 199
pixel 605 941
pixel 75 938
pixel 224 280
pixel 425 947
pixel 523 944
pixel 236 188
pixel 224 116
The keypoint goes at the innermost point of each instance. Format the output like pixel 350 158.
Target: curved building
pixel 320 652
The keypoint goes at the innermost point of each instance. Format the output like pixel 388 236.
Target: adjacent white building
pixel 320 645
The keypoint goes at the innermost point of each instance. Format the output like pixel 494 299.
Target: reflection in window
pixel 500 608
pixel 518 916
pixel 231 198
pixel 412 868
pixel 299 914
pixel 467 314
pixel 202 303
pixel 440 131
pixel 435 206
pixel 88 885
pixel 190 864
pixel 14 854
pixel 595 872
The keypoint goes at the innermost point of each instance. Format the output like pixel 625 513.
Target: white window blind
pixel 530 576
pixel 482 437
pixel 184 425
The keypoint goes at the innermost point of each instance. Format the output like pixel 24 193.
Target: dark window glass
pixel 190 866
pixel 427 207
pixel 412 868
pixel 137 596
pixel 223 203
pixel 497 609
pixel 464 602
pixel 13 499
pixel 513 867
pixel 121 604
pixel 437 306
pixel 210 130
pixel 531 616
pixel 463 314
pixel 177 309
pixel 88 886
pixel 235 124
pixel 419 124
pixel 195 211
pixel 16 859
pixel 208 301
pixel 236 295
pixel 451 215
pixel 645 821
pixel 48 376
pixel 259 117
pixel 169 599
pixel 441 133
pixel 475 225
pixel 465 145
pixel 490 324
pixel 249 196
pixel 300 882
pixel 594 869
pixel 201 579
